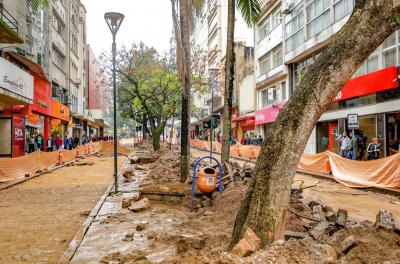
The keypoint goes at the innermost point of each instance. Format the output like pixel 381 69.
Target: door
pixel 333 143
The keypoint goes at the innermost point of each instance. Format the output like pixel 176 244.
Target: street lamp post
pixel 213 70
pixel 114 21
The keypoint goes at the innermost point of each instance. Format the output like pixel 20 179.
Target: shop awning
pixel 244 117
pixel 34 67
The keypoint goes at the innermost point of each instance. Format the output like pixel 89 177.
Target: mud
pixel 41 216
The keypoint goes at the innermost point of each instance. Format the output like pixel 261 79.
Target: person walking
pixel 374 149
pixel 58 142
pixel 50 144
pixel 40 142
pixel 66 142
pixel 345 145
pixel 31 144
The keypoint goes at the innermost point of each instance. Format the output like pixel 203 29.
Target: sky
pixel 149 21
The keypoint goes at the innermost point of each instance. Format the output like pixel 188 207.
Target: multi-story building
pixel 296 32
pixel 210 35
pixel 98 97
pixel 272 87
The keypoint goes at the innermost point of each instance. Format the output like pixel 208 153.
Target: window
pixel 74 45
pixel 57 59
pixel 271 21
pixel 277 59
pixel 57 25
pixel 342 8
pixel 373 62
pixel 318 16
pixel 273 94
pixel 265 64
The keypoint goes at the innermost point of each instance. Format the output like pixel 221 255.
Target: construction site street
pixel 42 215
pixel 361 204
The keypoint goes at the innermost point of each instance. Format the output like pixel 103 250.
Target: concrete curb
pixel 6 186
pixel 80 234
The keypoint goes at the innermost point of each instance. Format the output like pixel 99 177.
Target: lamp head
pixel 114 21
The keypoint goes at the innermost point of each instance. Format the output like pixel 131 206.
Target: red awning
pixel 244 117
pixel 381 80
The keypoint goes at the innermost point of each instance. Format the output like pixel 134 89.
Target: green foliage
pixel 148 85
pixel 38 4
pixel 250 10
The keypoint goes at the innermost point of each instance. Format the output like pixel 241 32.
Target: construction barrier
pixel 28 165
pixel 381 173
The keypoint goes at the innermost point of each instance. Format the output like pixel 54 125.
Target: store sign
pixel 268 114
pixel 59 110
pixel 352 121
pixel 15 80
pixel 382 80
pixel 41 96
pixel 18 137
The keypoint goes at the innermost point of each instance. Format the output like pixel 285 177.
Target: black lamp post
pixel 213 72
pixel 114 21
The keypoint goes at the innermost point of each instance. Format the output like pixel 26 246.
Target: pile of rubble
pixel 315 232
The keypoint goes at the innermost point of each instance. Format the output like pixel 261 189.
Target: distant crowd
pixel 36 142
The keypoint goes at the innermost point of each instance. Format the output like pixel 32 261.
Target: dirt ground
pixel 39 217
pixel 167 232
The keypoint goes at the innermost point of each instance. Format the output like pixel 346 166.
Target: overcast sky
pixel 149 21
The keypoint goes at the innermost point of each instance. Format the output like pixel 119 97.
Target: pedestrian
pixel 374 149
pixel 31 144
pixel 345 145
pixel 362 145
pixel 76 142
pixel 260 140
pixel 70 143
pixel 84 139
pixel 58 142
pixel 50 144
pixel 66 142
pixel 40 142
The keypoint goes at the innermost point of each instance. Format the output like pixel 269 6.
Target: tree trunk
pixel 266 201
pixel 172 131
pixel 229 77
pixel 185 12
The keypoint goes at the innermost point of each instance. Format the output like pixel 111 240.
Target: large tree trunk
pixel 265 203
pixel 185 12
pixel 229 77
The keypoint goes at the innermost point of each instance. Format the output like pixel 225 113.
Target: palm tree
pixel 37 4
pixel 250 10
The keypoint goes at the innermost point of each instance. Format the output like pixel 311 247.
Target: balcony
pixel 217 102
pixel 59 10
pixel 58 42
pixel 8 28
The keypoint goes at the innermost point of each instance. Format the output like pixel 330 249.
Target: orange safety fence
pixel 15 168
pixel 382 173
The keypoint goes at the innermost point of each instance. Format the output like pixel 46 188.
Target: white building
pixel 272 87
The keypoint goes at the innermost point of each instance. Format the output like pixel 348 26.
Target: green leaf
pixel 250 10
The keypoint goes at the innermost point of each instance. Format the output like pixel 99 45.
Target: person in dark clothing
pixel 76 142
pixel 374 149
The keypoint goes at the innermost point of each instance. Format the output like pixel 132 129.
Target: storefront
pixel 243 125
pixel 375 97
pixel 265 117
pixel 16 88
pixel 59 118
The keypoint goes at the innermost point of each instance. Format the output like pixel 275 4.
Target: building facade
pixel 272 88
pixel 44 86
pixel 289 38
pixel 210 36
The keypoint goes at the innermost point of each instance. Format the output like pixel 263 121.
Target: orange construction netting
pixel 382 173
pixel 20 167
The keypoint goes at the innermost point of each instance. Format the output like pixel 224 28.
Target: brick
pixel 385 220
pixel 140 205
